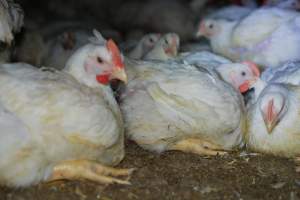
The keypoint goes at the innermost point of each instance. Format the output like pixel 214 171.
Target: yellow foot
pixel 89 170
pixel 198 146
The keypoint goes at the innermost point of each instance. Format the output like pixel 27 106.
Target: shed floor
pixel 176 175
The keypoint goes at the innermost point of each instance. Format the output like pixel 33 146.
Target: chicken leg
pixel 90 170
pixel 197 146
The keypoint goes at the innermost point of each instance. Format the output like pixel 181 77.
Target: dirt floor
pixel 175 175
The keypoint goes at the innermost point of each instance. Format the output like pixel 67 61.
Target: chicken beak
pixel 120 74
pixel 201 30
pixel 271 118
pixel 270 125
pixel 247 85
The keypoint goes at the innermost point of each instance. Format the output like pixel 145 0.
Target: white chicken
pixel 145 44
pixel 259 37
pixel 165 48
pixel 273 121
pixel 62 125
pixel 169 106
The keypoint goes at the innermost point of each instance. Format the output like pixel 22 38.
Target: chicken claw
pixel 90 170
pixel 198 146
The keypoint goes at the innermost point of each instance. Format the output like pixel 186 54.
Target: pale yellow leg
pixel 197 146
pixel 89 170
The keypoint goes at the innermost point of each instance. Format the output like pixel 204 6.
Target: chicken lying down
pixel 236 74
pixel 259 37
pixel 169 106
pixel 273 121
pixel 62 125
pixel 166 48
pixel 145 44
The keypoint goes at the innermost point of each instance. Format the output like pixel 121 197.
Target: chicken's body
pixel 166 105
pixel 47 126
pixel 54 123
pixel 283 139
pixel 259 37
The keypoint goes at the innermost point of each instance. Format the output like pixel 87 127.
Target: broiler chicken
pixel 273 122
pixel 165 48
pixel 169 106
pixel 259 37
pixel 62 125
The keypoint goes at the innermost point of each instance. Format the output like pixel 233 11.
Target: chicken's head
pixel 208 28
pixel 170 44
pixel 273 105
pixel 239 75
pixel 106 63
pixel 149 40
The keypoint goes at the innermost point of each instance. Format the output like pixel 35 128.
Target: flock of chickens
pixel 63 121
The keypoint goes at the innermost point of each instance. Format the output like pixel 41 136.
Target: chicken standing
pixel 259 37
pixel 62 125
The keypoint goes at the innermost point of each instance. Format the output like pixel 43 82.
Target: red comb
pixel 253 67
pixel 115 53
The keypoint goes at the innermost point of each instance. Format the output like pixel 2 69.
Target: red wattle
pixel 103 79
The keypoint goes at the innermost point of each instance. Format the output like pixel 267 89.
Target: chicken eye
pixel 151 40
pixel 99 60
pixel 243 73
pixel 211 26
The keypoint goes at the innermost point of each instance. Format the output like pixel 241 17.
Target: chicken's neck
pixel 221 43
pixel 258 86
